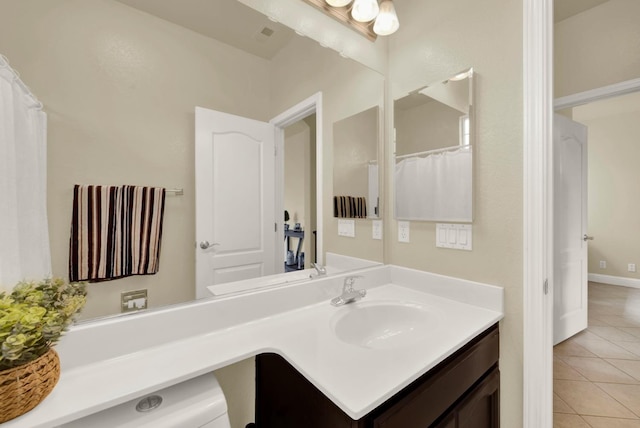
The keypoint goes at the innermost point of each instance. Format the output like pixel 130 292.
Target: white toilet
pixel 196 403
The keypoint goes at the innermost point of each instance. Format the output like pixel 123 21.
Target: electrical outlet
pixel 133 300
pixel 603 264
pixel 632 267
pixel 347 228
pixel 403 231
pixel 376 229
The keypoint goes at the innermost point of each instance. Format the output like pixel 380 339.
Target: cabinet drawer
pixel 430 396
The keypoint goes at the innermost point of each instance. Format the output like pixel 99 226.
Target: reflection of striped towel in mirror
pixel 115 232
pixel 350 206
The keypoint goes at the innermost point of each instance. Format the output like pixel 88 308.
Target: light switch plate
pixel 403 231
pixel 455 236
pixel 347 228
pixel 376 229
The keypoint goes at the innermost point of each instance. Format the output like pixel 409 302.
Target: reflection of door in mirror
pixel 233 222
pixel 355 165
pixel 300 193
pixel 434 165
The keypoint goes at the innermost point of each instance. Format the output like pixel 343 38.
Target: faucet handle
pixel 321 270
pixel 350 280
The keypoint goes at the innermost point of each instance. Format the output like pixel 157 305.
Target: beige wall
pixel 347 88
pixel 355 144
pixel 614 199
pixel 429 126
pixel 598 47
pixel 119 87
pixel 436 40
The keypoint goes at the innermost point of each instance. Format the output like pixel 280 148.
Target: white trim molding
pixel 307 107
pixel 603 92
pixel 615 280
pixel 537 214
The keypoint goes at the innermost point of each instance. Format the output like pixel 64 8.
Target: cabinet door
pixel 285 399
pixel 424 403
pixel 480 408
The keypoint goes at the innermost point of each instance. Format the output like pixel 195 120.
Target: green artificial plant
pixel 34 316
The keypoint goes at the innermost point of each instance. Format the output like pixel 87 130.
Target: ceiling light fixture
pixel 368 17
pixel 365 10
pixel 387 20
pixel 338 3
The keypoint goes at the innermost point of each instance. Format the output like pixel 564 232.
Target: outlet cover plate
pixel 347 228
pixel 403 231
pixel 376 229
pixel 131 301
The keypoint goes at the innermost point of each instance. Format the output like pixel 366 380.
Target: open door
pixel 235 193
pixel 570 228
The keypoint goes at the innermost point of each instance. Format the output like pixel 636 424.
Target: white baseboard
pixel 615 280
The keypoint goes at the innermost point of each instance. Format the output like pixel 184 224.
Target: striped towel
pixel 350 206
pixel 115 232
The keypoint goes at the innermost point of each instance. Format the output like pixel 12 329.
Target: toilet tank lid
pixel 194 402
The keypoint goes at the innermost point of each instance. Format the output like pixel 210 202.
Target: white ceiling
pixel 228 21
pixel 563 9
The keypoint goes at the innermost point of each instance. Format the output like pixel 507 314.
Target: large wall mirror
pixel 434 129
pixel 120 81
pixel 356 180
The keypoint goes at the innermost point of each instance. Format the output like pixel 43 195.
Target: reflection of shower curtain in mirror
pixel 24 243
pixel 436 187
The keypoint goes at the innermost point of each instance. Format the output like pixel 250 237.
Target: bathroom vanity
pixel 460 392
pixel 318 365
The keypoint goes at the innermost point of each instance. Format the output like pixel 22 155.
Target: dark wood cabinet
pixel 460 392
pixel 480 407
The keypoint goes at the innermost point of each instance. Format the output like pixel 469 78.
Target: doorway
pixel 305 111
pixel 221 257
pixel 599 362
pixel 300 214
pixel 538 32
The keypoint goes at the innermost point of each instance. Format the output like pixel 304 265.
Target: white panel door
pixel 235 192
pixel 570 228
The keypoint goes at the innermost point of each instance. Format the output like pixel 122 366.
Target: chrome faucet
pixel 321 270
pixel 348 293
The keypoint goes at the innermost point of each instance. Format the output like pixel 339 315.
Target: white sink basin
pixel 384 324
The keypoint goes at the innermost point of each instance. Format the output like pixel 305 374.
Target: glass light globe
pixel 387 20
pixel 365 10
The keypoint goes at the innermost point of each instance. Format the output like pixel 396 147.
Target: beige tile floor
pixel 596 373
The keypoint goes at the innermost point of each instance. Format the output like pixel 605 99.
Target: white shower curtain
pixel 436 187
pixel 24 232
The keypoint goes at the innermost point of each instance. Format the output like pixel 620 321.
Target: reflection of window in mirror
pixel 355 165
pixel 465 139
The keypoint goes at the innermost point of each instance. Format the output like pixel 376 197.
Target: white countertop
pixel 116 360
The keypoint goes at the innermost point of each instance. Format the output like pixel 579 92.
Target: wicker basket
pixel 22 388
